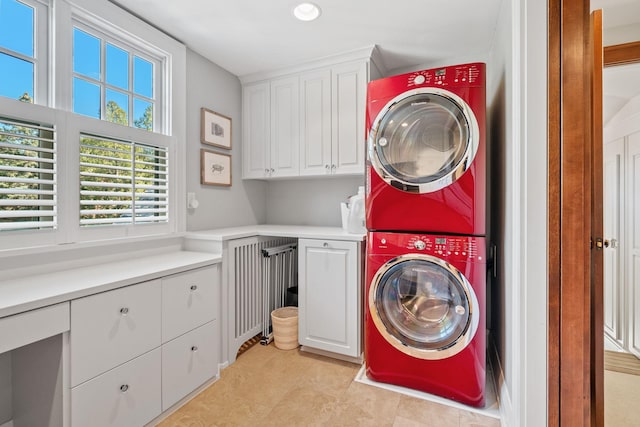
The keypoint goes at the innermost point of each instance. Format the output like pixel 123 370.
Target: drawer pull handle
pixel 124 311
pixel 124 388
pixel 193 287
pixel 194 348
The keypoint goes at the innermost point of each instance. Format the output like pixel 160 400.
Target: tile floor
pixel 271 387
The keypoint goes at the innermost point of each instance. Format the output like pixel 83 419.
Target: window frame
pixel 40 60
pixel 56 34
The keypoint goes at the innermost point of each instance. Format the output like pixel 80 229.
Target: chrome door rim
pixel 428 354
pixel 428 187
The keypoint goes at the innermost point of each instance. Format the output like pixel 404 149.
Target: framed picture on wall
pixel 215 168
pixel 215 129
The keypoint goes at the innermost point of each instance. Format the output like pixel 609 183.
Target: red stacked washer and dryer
pixel 425 215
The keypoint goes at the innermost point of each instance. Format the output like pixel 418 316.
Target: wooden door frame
pixel 573 365
pixel 569 213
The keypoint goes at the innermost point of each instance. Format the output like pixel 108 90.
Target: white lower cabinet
pixel 187 362
pixel 329 296
pixel 128 395
pixel 138 350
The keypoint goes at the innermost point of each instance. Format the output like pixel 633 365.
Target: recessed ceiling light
pixel 306 11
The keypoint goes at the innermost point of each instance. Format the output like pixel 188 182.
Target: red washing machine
pixel 426 151
pixel 425 318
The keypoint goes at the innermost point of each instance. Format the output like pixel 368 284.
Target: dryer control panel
pixel 458 75
pixel 441 246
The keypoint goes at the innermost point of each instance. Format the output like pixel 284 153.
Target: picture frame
pixel 215 168
pixel 215 129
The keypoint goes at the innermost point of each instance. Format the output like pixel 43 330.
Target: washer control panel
pixel 441 246
pixel 458 75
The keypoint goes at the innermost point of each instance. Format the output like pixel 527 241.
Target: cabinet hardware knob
pixel 193 287
pixel 333 166
pixel 124 310
pixel 272 170
pixel 124 388
pixel 325 244
pixel 194 348
pixel 266 171
pixel 326 166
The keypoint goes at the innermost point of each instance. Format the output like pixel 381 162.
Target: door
pixel 423 140
pixel 423 306
pixel 632 218
pixel 329 290
pixel 613 174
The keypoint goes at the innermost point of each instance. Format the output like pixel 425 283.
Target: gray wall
pixel 313 201
pixel 6 391
pixel 244 203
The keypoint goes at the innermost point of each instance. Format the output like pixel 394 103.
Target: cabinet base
pixel 356 360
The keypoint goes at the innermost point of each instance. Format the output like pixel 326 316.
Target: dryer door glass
pixel 423 138
pixel 424 306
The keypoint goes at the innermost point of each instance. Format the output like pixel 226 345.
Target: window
pixel 122 182
pixel 66 177
pixel 112 81
pixel 27 176
pixel 17 53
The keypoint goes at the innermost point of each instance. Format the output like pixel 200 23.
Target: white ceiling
pixel 249 36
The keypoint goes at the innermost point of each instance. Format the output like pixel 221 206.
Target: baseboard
pixel 165 414
pixel 500 385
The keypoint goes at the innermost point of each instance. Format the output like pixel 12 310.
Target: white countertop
pixel 40 290
pixel 297 231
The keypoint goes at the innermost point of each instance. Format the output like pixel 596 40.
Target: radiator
pixel 254 290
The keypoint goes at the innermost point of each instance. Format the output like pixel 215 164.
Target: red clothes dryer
pixel 426 151
pixel 425 318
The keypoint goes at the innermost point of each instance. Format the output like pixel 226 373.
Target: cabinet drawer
pixel 128 395
pixel 187 362
pixel 111 328
pixel 189 300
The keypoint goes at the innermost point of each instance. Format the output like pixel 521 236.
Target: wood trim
pixel 620 54
pixel 569 213
pixel 553 215
pixel 597 260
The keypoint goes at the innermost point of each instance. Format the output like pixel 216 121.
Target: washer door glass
pixel 423 138
pixel 424 308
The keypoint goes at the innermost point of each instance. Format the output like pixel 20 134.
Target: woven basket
pixel 285 327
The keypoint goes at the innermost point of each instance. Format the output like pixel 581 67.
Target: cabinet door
pixel 128 395
pixel 348 97
pixel 285 128
pixel 315 123
pixel 189 300
pixel 255 130
pixel 329 293
pixel 110 328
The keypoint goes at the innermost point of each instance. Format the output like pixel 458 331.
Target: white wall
pixel 309 201
pixel 518 164
pixel 619 35
pixel 500 193
pixel 243 203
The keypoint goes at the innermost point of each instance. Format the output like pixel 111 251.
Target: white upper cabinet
pixel 285 128
pixel 307 121
pixel 255 130
pixel 349 92
pixel 315 123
